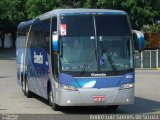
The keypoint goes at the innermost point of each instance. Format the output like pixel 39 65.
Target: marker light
pixel 127 100
pixel 68 87
pixel 68 101
pixel 127 86
pixel 55 53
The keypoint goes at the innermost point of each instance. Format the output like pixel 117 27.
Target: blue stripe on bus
pixel 98 82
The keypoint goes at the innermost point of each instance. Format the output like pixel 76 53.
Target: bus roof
pixel 23 26
pixel 58 12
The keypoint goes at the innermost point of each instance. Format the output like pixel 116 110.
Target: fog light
pixel 127 100
pixel 68 101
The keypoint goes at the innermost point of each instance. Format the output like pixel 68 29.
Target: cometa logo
pixel 38 58
pixel 98 75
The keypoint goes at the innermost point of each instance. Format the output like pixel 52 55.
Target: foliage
pixel 90 4
pixel 151 28
pixel 156 6
pixel 106 4
pixel 37 7
pixel 146 44
pixel 141 12
pixel 11 12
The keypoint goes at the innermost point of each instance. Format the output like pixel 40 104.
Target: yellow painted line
pixel 25 50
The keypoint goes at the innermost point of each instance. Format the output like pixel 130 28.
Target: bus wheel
pixel 54 106
pixel 27 93
pixel 23 86
pixel 113 107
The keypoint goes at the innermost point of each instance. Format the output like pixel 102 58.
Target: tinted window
pixel 112 25
pixel 54 24
pixel 40 34
pixel 80 25
pixel 21 39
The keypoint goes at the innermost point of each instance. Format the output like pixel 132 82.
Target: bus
pixel 78 57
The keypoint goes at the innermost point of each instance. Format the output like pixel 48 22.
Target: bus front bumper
pixel 85 97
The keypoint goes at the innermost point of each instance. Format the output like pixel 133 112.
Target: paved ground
pixel 12 100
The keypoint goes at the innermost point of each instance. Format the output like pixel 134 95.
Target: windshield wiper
pixel 110 59
pixel 88 61
pixel 94 51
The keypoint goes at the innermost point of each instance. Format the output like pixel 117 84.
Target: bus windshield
pixel 95 43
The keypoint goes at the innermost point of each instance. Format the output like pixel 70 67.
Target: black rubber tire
pixel 23 86
pixel 54 106
pixel 113 107
pixel 27 93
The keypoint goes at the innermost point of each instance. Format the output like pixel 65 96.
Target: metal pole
pixel 150 58
pixel 157 58
pixel 141 59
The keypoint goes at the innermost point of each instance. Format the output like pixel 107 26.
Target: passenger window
pixel 40 35
pixel 46 35
pixel 21 40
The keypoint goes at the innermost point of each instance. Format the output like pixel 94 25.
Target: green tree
pixel 156 6
pixel 11 13
pixel 106 4
pixel 90 4
pixel 140 11
pixel 38 7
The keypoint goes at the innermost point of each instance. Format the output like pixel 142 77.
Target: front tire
pixel 54 106
pixel 113 107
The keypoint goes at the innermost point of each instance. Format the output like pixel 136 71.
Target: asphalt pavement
pixel 12 100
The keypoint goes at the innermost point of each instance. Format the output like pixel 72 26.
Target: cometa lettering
pixel 98 75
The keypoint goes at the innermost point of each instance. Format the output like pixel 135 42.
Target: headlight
pixel 127 86
pixel 68 87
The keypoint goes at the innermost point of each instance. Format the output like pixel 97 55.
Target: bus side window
pixel 36 35
pixel 21 39
pixel 40 35
pixel 54 24
pixel 46 35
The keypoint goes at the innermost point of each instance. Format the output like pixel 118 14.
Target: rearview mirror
pixel 138 38
pixel 55 41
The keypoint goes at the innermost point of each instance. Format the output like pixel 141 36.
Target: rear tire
pixel 23 86
pixel 54 106
pixel 113 107
pixel 27 93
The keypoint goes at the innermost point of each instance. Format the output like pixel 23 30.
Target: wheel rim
pixel 23 85
pixel 26 87
pixel 50 97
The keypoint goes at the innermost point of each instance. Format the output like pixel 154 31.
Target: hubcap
pixel 23 85
pixel 26 87
pixel 50 97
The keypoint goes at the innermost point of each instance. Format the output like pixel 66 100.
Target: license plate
pixel 99 98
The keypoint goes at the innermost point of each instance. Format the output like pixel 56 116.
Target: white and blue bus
pixel 78 57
